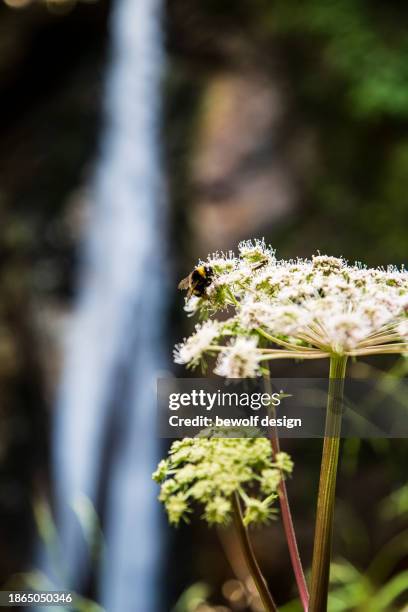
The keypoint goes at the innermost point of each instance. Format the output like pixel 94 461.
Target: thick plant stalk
pixel 327 487
pixel 288 526
pixel 250 559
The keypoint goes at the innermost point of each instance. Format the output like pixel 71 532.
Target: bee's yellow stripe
pixel 201 271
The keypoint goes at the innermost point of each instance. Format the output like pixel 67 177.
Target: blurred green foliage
pixel 383 585
pixel 36 579
pixel 353 590
pixel 364 43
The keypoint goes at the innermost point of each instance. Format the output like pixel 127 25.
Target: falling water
pixel 107 394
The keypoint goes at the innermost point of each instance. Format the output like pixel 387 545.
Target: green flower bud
pixel 256 511
pixel 270 480
pixel 218 511
pixel 177 508
pixel 284 462
pixel 186 474
pixel 162 469
pixel 208 471
pixel 168 488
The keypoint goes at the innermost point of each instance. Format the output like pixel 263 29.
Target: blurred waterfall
pixel 105 441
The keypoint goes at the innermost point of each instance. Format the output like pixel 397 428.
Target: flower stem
pixel 288 521
pixel 291 537
pixel 250 559
pixel 327 487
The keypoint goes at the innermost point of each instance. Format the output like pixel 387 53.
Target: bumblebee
pixel 201 277
pixel 197 281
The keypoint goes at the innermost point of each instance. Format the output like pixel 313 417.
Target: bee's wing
pixel 184 283
pixel 259 264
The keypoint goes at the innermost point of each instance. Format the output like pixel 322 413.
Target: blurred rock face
pixel 242 181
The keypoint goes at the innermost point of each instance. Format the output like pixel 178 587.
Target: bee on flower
pixel 301 309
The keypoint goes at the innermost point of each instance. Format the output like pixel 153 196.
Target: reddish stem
pixel 290 532
pixel 287 516
pixel 250 558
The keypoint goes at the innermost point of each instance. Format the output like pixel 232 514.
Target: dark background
pixel 282 119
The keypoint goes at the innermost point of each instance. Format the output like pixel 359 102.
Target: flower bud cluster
pixel 207 471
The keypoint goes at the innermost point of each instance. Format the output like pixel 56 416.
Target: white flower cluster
pixel 297 308
pixel 240 359
pixel 192 348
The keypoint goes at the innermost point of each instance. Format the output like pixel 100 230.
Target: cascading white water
pixel 107 394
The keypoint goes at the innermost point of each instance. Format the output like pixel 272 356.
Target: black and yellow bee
pixel 197 281
pixel 201 277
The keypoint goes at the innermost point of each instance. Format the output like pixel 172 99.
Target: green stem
pixel 327 487
pixel 250 559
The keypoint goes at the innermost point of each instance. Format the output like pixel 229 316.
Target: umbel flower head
pixel 302 309
pixel 208 471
